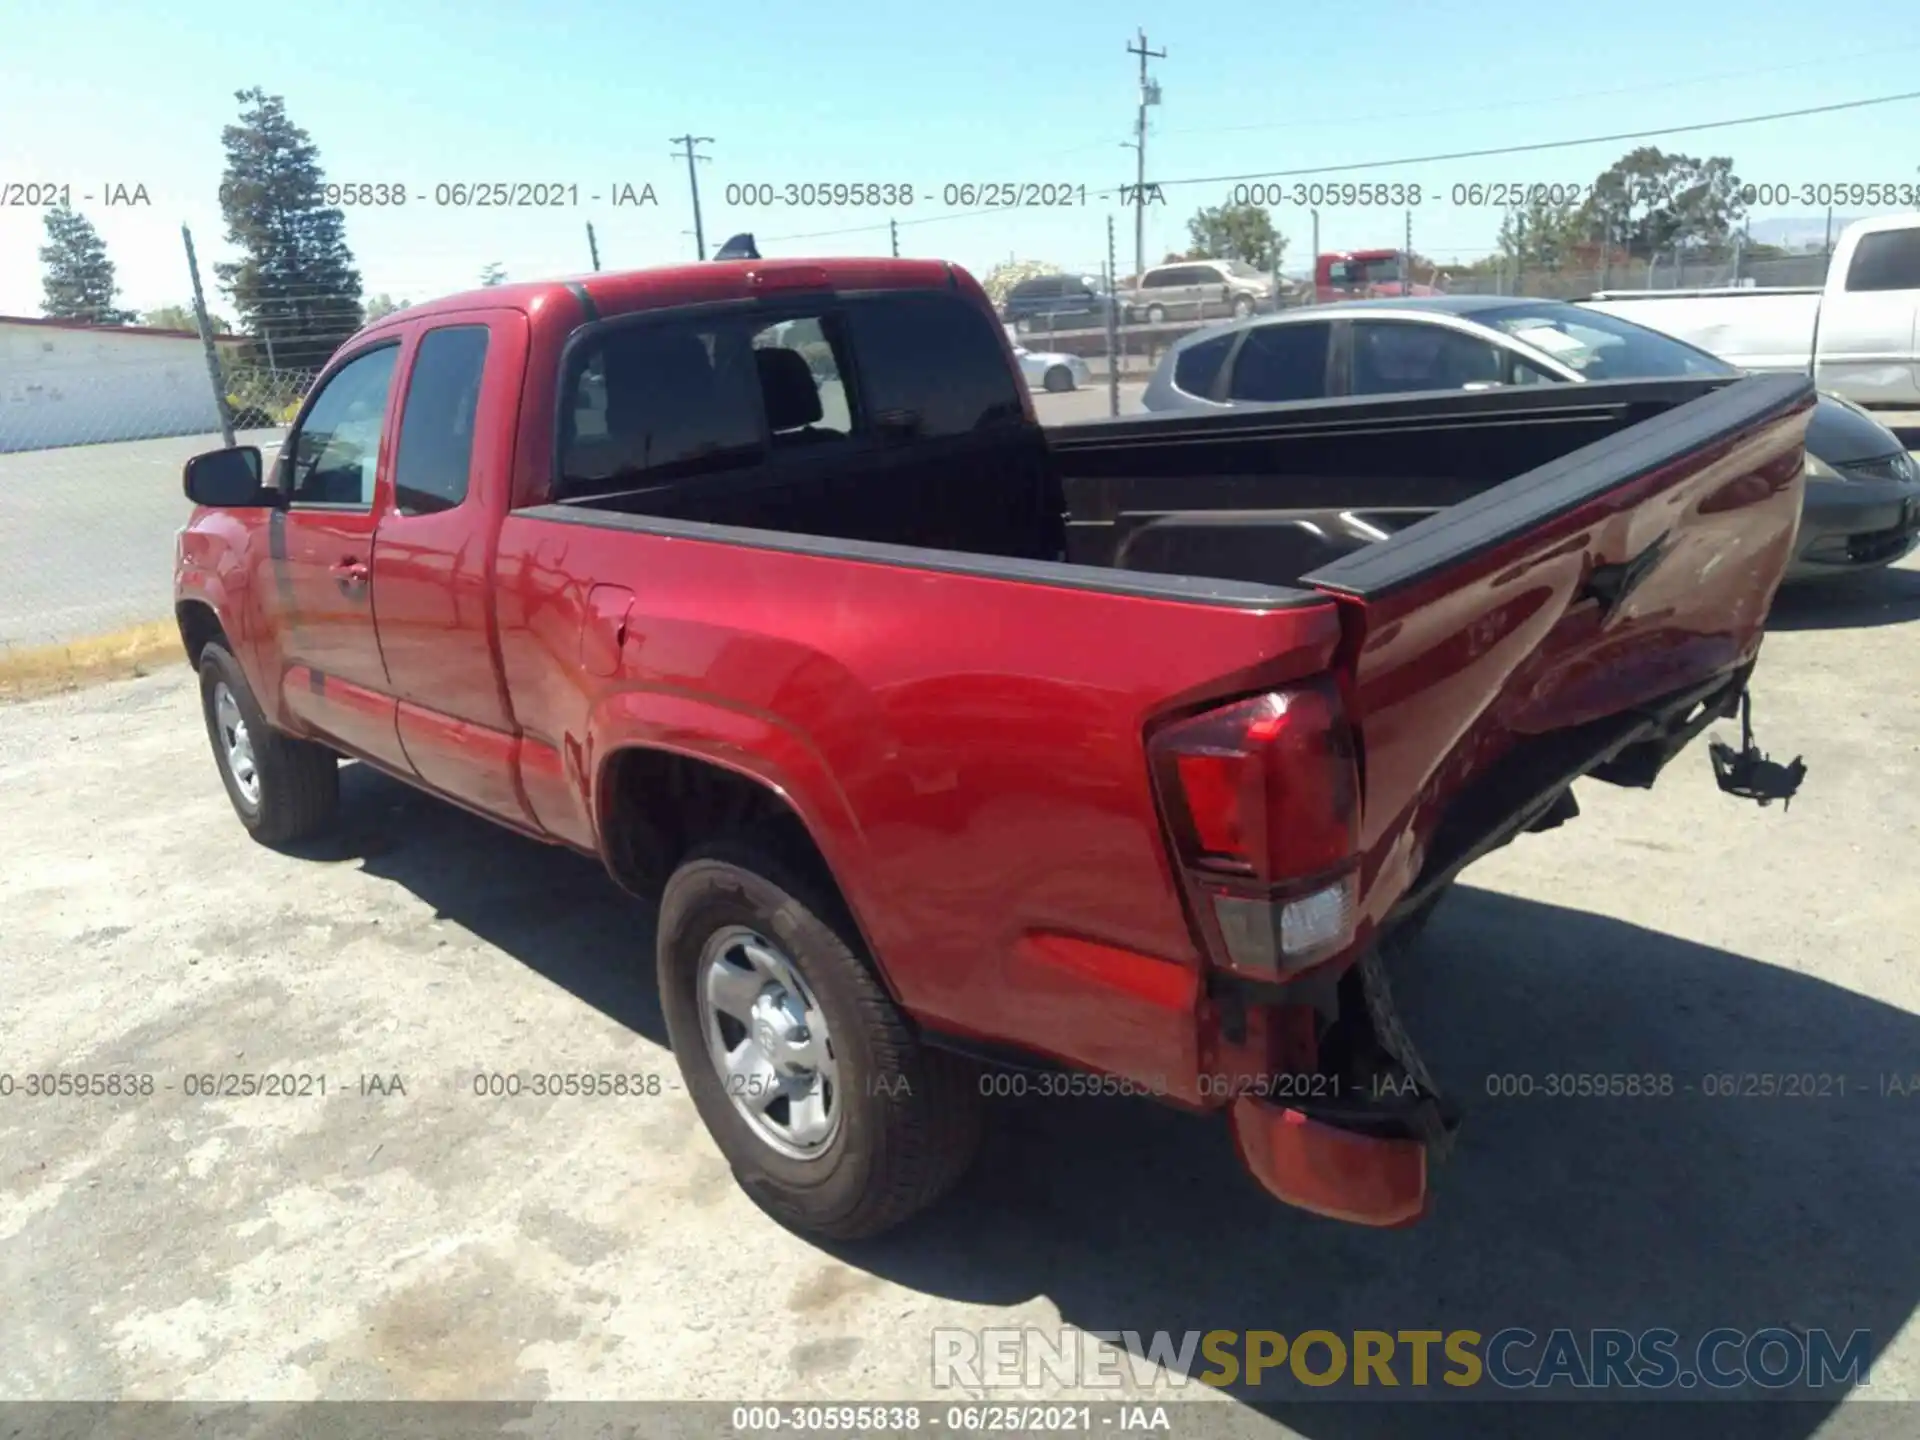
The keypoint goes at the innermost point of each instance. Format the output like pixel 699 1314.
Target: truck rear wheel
pixel 282 788
pixel 832 1115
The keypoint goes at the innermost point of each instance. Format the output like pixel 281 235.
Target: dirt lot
pixel 434 1244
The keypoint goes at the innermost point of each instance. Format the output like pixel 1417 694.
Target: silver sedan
pixel 1048 369
pixel 1862 506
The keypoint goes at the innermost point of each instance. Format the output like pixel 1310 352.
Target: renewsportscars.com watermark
pixel 1774 1358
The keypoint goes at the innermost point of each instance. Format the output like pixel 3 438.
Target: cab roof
pixel 618 292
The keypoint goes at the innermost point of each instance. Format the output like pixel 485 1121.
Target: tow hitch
pixel 1748 773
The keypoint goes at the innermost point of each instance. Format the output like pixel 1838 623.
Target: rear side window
pixel 1282 362
pixel 660 401
pixel 1886 260
pixel 436 427
pixel 931 366
pixel 1199 366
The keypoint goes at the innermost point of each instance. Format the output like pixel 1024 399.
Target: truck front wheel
pixel 832 1115
pixel 282 788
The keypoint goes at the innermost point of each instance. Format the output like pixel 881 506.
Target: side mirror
pixel 227 478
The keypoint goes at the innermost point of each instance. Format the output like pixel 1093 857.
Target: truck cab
pixel 1362 275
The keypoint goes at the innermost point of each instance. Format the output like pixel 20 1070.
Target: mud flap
pixel 1433 1117
pixel 1748 773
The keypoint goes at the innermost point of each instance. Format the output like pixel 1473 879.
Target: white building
pixel 64 382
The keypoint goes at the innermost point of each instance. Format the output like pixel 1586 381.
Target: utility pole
pixel 206 343
pixel 593 246
pixel 893 228
pixel 1113 327
pixel 693 180
pixel 1316 255
pixel 1149 95
pixel 1406 262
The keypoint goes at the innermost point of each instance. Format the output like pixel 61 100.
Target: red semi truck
pixel 947 742
pixel 1362 275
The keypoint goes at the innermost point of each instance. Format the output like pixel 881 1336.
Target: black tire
pixel 911 1118
pixel 298 781
pixel 1057 379
pixel 1242 307
pixel 1156 315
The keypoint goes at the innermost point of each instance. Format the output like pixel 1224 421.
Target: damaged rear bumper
pixel 1361 1179
pixel 1365 1156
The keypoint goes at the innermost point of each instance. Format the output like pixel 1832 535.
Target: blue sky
pixel 425 92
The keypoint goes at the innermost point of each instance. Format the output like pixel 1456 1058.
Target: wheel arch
pixel 654 804
pixel 200 627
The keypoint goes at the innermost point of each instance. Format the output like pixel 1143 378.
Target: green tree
pixel 1002 278
pixel 1236 232
pixel 383 305
pixel 180 317
pixel 297 279
pixel 493 275
pixel 79 280
pixel 1543 233
pixel 1650 202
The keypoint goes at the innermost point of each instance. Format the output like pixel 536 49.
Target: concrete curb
pixel 31 670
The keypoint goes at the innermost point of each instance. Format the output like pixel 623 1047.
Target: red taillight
pixel 1263 800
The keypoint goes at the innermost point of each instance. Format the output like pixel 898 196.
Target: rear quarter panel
pixel 966 751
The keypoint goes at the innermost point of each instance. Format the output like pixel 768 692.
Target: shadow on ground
pixel 1852 602
pixel 553 910
pixel 1690 1212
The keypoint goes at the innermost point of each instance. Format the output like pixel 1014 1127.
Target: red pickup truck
pixel 946 742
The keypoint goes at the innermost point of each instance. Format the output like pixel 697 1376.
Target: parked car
pixel 1858 336
pixel 1196 289
pixel 1057 302
pixel 1051 370
pixel 944 740
pixel 1862 507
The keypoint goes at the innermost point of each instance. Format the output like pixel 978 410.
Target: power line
pixel 1544 144
pixel 1420 159
pixel 1324 121
pixel 1319 122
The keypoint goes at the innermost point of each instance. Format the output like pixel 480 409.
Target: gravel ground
pixel 412 1240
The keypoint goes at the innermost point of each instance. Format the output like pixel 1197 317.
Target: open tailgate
pixel 1550 626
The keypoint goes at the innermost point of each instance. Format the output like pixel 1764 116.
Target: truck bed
pixel 1228 506
pixel 1760 330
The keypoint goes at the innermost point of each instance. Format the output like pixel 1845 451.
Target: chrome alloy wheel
pixel 768 1040
pixel 236 745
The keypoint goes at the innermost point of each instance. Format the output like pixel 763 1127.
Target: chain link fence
pixel 1689 271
